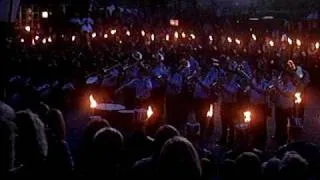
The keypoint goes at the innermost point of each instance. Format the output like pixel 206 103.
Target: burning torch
pixel 247 117
pixel 297 102
pixel 93 104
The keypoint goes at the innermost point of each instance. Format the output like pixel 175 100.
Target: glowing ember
pixel 149 112
pixel 238 41
pixel 27 28
pixel 143 33
pixel 229 39
pixel 254 37
pixel 298 98
pixel 210 111
pixel 298 42
pixel 93 102
pixel 247 116
pixel 290 41
pixel 271 43
pixel 73 38
pixel 113 31
pixel 93 35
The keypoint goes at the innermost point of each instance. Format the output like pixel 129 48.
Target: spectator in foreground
pixel 270 169
pixel 85 156
pixel 7 112
pixel 178 160
pixel 227 170
pixel 145 168
pixel 293 167
pixel 107 151
pixel 32 146
pixel 7 144
pixel 59 161
pixel 248 166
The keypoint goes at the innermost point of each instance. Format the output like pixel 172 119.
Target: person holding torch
pixel 257 96
pixel 285 91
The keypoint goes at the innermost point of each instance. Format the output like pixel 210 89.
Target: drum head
pixel 127 111
pixel 110 107
pixel 141 110
pixel 92 80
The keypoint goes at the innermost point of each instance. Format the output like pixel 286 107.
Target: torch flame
pixel 229 39
pixel 113 31
pixel 298 98
pixel 271 43
pixel 49 39
pixel 27 28
pixel 44 41
pixel 93 102
pixel 105 36
pixel 183 35
pixel 193 36
pixel 33 42
pixel 152 37
pixel 128 33
pixel 143 33
pixel 290 41
pixel 94 35
pixel 167 37
pixel 36 37
pixel 298 42
pixel 73 38
pixel 247 116
pixel 317 45
pixel 238 41
pixel 254 37
pixel 22 40
pixel 210 38
pixel 149 112
pixel 176 35
pixel 210 111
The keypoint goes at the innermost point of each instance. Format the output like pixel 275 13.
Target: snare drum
pixel 110 107
pixel 140 115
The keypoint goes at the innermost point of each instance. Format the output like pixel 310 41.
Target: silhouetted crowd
pixel 33 146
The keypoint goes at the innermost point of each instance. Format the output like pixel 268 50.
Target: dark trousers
pixel 176 113
pixel 157 101
pixel 228 115
pixel 259 126
pixel 201 107
pixel 282 115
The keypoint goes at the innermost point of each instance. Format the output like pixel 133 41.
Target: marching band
pixel 184 83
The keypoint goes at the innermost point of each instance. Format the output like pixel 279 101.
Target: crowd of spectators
pixel 33 145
